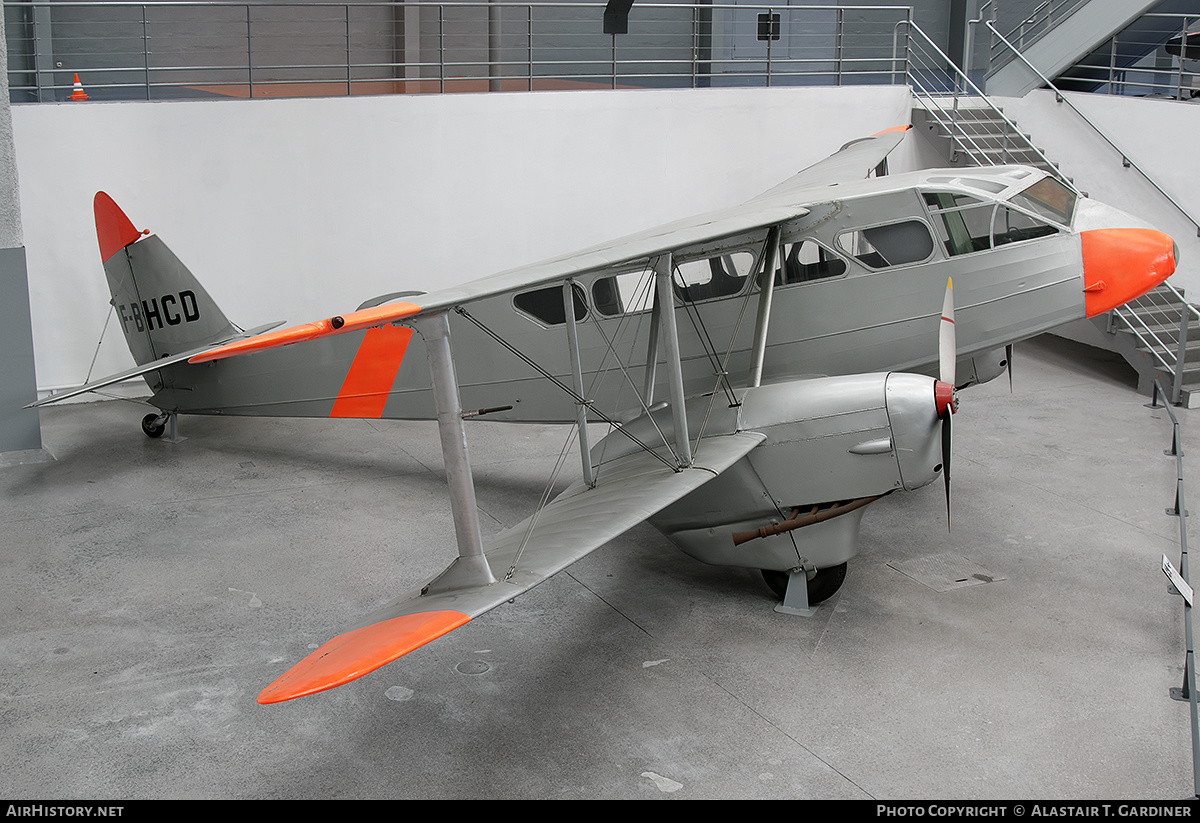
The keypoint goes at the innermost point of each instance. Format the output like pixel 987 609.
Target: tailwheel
pixel 822 583
pixel 153 425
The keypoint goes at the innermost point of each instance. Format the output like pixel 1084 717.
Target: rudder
pixel 162 307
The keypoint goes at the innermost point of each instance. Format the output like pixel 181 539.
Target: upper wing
pixel 580 520
pixel 785 202
pixel 853 161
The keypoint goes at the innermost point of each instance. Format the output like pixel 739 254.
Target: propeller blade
pixel 946 463
pixel 1008 351
pixel 947 348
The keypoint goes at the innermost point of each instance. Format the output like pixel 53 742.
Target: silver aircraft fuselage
pixel 852 312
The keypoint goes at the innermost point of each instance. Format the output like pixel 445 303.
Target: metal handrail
pixel 1116 76
pixel 965 88
pixel 1125 160
pixel 527 45
pixel 1188 691
pixel 1131 315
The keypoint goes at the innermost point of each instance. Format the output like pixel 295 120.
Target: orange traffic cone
pixel 78 93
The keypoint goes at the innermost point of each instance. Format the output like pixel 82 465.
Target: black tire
pixel 822 586
pixel 151 427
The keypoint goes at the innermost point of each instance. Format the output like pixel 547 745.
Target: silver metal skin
pixel 827 439
pixel 577 377
pixel 669 336
pixel 781 431
pixel 763 320
pixel 471 568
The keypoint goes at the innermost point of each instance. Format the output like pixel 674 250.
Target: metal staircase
pixel 1159 333
pixel 946 103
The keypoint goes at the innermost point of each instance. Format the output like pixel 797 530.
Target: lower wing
pixel 577 522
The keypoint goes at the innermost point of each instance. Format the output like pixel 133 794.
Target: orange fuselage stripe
pixel 364 392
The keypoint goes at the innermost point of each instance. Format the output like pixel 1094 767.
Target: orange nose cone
pixel 1121 264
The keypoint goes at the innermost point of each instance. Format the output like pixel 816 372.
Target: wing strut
pixel 585 449
pixel 470 568
pixel 652 353
pixel 670 335
pixel 766 292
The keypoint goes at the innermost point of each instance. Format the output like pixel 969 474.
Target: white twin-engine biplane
pixel 763 368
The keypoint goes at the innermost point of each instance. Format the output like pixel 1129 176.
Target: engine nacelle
pixel 828 440
pixel 840 438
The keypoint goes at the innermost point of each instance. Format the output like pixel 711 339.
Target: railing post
pixel 614 60
pixel 146 51
pixel 841 31
pixel 349 71
pixel 1181 354
pixel 249 56
pixel 1183 50
pixel 770 18
pixel 495 70
pixel 1112 64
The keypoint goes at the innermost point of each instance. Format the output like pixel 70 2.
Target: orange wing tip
pixel 351 655
pixel 354 321
pixel 114 230
pixel 892 130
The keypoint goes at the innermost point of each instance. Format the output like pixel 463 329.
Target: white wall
pixel 298 209
pixel 1158 135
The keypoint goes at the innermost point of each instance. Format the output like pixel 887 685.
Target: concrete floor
pixel 150 590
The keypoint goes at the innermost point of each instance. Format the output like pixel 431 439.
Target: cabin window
pixel 625 293
pixel 894 244
pixel 546 305
pixel 720 276
pixel 805 261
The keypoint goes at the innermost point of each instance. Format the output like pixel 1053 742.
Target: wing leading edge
pixel 787 201
pixel 576 523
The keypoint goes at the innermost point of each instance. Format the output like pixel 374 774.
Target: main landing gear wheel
pixel 821 586
pixel 153 425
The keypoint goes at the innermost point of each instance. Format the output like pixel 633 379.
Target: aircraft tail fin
pixel 161 306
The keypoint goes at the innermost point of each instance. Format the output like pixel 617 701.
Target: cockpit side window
pixel 1048 198
pixel 1013 226
pixel 894 244
pixel 965 224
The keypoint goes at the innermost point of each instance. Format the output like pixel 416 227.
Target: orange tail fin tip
pixel 114 230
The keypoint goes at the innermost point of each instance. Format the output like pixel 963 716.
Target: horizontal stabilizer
pixel 580 520
pixel 354 321
pixel 145 368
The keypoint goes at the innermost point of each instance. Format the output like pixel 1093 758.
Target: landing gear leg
pixel 801 591
pixel 155 425
pixel 795 597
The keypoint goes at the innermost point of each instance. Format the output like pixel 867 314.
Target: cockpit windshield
pixel 1048 198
